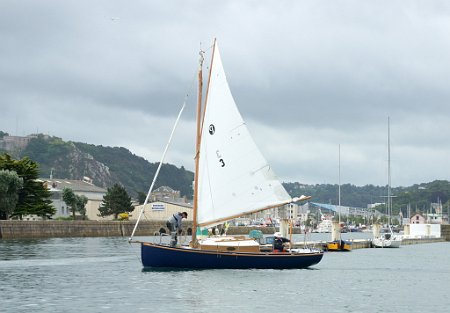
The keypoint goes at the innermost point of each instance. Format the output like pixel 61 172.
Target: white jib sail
pixel 234 178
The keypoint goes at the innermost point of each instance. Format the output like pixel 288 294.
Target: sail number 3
pixel 221 161
pixel 212 130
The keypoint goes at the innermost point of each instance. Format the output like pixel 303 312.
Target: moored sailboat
pixel 387 238
pixel 337 243
pixel 232 179
pixel 325 225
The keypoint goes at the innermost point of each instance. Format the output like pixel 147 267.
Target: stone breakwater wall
pixel 445 232
pixel 47 229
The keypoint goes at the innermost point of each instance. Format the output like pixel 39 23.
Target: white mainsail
pixel 233 177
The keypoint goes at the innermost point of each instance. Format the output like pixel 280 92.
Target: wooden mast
pixel 200 118
pixel 197 147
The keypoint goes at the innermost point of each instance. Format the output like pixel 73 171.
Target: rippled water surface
pixel 106 275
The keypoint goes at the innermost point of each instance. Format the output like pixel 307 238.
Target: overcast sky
pixel 306 75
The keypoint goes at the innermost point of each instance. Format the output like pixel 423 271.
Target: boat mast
pixel 197 145
pixel 200 118
pixel 339 191
pixel 389 208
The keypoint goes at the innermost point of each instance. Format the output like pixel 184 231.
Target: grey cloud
pixel 316 72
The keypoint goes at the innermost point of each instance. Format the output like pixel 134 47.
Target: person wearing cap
pixel 175 226
pixel 278 242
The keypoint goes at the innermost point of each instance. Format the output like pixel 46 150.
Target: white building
pixel 422 231
pixel 162 210
pixel 93 193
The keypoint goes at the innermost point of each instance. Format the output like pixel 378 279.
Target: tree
pixel 76 203
pixel 141 197
pixel 116 201
pixel 70 200
pixel 81 205
pixel 10 184
pixel 34 197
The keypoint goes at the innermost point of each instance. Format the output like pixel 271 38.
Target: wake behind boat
pixel 232 179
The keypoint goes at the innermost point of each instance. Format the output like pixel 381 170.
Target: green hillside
pixel 104 165
pixel 136 173
pixel 418 197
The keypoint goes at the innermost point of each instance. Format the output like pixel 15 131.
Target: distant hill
pixel 109 165
pixel 418 197
pixel 104 165
pixel 351 195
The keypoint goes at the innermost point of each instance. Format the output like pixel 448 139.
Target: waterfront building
pixel 84 187
pixel 422 231
pixel 417 219
pixel 434 218
pixel 162 210
pixel 165 193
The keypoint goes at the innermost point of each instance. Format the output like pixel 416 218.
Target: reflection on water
pixel 105 275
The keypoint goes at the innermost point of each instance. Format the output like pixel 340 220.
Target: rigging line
pixel 134 251
pixel 207 49
pixel 261 168
pixel 159 167
pixel 162 160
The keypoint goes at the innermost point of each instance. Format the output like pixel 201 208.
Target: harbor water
pixel 105 275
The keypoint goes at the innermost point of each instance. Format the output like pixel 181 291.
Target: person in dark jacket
pixel 278 242
pixel 175 226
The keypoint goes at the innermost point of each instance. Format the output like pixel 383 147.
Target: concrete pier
pixel 356 244
pixel 49 229
pixel 366 243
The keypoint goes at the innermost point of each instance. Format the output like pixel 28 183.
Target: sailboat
pixel 387 238
pixel 337 243
pixel 232 179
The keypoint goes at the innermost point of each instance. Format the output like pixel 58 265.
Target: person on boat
pixel 224 229
pixel 278 242
pixel 175 226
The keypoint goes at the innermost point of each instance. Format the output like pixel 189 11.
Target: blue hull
pixel 154 255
